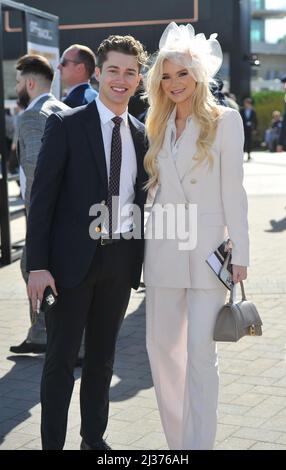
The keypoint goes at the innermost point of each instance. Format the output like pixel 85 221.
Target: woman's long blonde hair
pixel 205 112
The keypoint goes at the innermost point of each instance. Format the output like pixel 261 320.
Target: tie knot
pixel 117 120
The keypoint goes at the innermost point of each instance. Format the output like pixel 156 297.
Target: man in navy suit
pixel 76 67
pixel 86 153
pixel 249 119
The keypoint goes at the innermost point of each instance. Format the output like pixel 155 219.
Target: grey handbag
pixel 236 320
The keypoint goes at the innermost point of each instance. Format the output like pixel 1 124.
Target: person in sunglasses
pixel 76 67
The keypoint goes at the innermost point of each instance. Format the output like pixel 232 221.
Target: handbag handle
pixel 243 296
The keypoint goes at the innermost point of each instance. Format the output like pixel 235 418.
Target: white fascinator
pixel 201 55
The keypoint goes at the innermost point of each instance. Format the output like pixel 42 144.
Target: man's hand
pixel 279 148
pixel 37 283
pixel 239 273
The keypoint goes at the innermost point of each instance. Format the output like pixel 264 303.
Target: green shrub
pixel 265 102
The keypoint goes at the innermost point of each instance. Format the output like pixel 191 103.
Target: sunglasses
pixel 65 61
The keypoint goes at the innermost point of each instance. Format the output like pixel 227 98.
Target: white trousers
pixel 184 364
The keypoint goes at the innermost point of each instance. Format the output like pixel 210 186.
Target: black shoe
pixel 26 348
pixel 100 444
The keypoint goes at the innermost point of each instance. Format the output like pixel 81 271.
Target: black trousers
pixel 98 304
pixel 248 139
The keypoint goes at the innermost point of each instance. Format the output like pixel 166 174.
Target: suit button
pixel 193 181
pixel 97 229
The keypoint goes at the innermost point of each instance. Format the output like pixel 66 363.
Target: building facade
pixel 268 42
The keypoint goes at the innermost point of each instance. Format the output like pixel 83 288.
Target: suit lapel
pixel 138 139
pixel 187 150
pixel 93 128
pixel 167 158
pixel 184 159
pixel 77 91
pixel 140 145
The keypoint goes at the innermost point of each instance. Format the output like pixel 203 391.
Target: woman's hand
pixel 239 273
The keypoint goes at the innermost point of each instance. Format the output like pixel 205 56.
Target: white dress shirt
pixel 128 171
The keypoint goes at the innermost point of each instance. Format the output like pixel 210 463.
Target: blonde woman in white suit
pixel 195 157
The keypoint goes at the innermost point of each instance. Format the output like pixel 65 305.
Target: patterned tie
pixel 114 176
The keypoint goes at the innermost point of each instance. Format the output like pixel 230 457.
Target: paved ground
pixel 252 413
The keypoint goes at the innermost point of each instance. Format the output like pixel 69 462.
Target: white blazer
pixel 221 203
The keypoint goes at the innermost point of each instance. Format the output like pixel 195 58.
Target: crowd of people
pixel 90 150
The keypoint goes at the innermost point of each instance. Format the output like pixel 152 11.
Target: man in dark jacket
pixel 76 67
pixel 91 160
pixel 249 118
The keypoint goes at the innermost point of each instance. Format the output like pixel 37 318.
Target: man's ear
pixel 97 73
pixel 31 83
pixel 140 78
pixel 82 68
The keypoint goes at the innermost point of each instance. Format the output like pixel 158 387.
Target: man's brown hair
pixel 124 44
pixel 36 65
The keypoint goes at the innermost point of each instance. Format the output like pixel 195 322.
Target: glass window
pixel 268 5
pixel 257 30
pixel 257 4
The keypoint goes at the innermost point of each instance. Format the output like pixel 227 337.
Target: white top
pixel 128 165
pixel 176 143
pixel 207 203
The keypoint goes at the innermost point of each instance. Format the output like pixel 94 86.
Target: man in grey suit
pixel 34 79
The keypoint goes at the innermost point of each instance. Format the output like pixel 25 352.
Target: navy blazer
pixel 77 96
pixel 249 123
pixel 70 177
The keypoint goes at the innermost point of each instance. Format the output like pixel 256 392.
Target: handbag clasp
pixel 252 330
